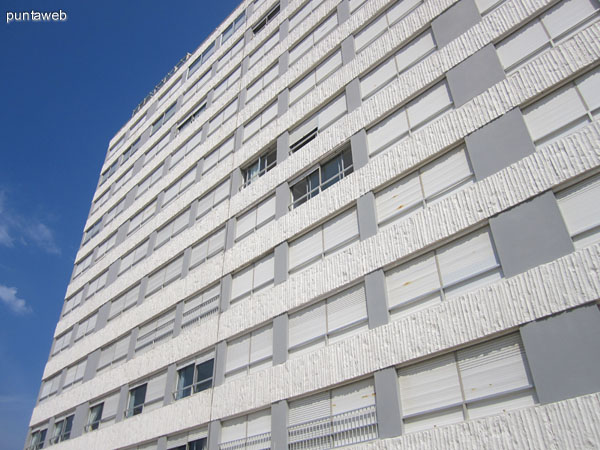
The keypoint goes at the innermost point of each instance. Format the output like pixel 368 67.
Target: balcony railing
pixel 342 429
pixel 258 442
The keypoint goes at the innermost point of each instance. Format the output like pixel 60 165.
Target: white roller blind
pixel 589 86
pixel 412 279
pixel 238 352
pixel 493 367
pixel 303 130
pixel 524 42
pixel 309 408
pixel 245 223
pixel 340 229
pixel 429 385
pixel 178 440
pixel 352 396
pixel 163 235
pixel 414 51
pixel 445 171
pixel 234 429
pixel 242 282
pixel 332 112
pixel 306 247
pixel 173 270
pixel 378 77
pixel 466 256
pixel 580 205
pixel 399 197
pixel 264 271
pixel 155 281
pixel 200 433
pixel 367 35
pixel 259 422
pixel 307 324
pixel 106 356
pixel 265 211
pixel 221 192
pixel 181 221
pixel 347 307
pixel 216 242
pixel 387 131
pixel 109 409
pixel 121 348
pixel 566 15
pixel 429 104
pixel 199 253
pixel 261 344
pixel 156 387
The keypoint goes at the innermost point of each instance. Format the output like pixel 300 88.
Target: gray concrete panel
pixel 238 139
pixel 214 435
pixel 91 365
pixel 151 243
pixel 49 432
pixel 283 147
pixel 360 150
pixel 187 256
pixel 284 27
pixel 122 233
pixel 283 102
pixel 343 11
pixel 237 180
pixel 475 75
pixel 230 234
pixel 563 353
pixel 455 21
pixel 113 272
pixel 102 317
pixel 280 339
pixel 348 52
pixel 225 292
pixel 282 200
pixel 281 262
pixel 132 342
pixel 279 421
pixel 367 216
pixel 122 403
pixel 79 420
pixel 143 289
pixel 499 144
pixel 377 304
pixel 530 234
pixel 178 319
pixel 283 62
pixel 220 358
pixel 353 96
pixel 387 403
pixel 137 166
pixel 159 202
pixel 161 444
pixel 170 384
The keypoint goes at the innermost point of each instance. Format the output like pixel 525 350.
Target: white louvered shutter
pixel 109 409
pixel 259 422
pixel 200 433
pixel 216 242
pixel 141 251
pixel 306 248
pixel 466 256
pixel 199 253
pixel 179 440
pixel 412 279
pixel 181 222
pixel 307 324
pixel 238 352
pixel 264 271
pixel 352 396
pixel 156 387
pixel 116 306
pixel 580 207
pixel 173 270
pixel 245 223
pixel 445 172
pixel 155 281
pixel 346 308
pixel 121 348
pixel 303 130
pixel 429 385
pixel 130 298
pixel 309 408
pixel 399 197
pixel 340 229
pixel 106 356
pixel 387 131
pixel 221 192
pixel 429 104
pixel 261 344
pixel 332 112
pixel 415 50
pixel 265 211
pixel 163 235
pixel 205 204
pixel 233 429
pixel 242 283
pixel 378 78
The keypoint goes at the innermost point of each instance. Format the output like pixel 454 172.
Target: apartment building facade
pixel 366 223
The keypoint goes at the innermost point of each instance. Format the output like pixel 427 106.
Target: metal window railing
pixel 190 389
pixel 258 442
pixel 339 430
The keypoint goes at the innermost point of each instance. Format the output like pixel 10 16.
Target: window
pixel 164 118
pixel 96 284
pixel 548 30
pixel 114 211
pixel 461 266
pixel 328 321
pixel 427 185
pixel 313 38
pixel 137 397
pixel 94 417
pixel 410 54
pixel 195 376
pixel 320 121
pixel 250 353
pixel 258 168
pixel 228 83
pixel 230 54
pixel 207 248
pixel 155 331
pixel 246 432
pixel 260 121
pixel 267 18
pixel 106 246
pixel 62 430
pixel 172 229
pixel 197 86
pixel 133 257
pixel 62 342
pixel 50 386
pixel 218 154
pixel 86 326
pixel 478 381
pixel 149 181
pixel 580 209
pixel 322 177
pixel 83 265
pixel 303 13
pixel 117 145
pixel 191 118
pixel 92 231
pixel 201 59
pixel 194 440
pixel 101 200
pixel 167 274
pixel 137 123
pixel 123 302
pixel 156 148
pixel 335 418
pixel 74 374
pixel 142 217
pixel 564 110
pixel 263 82
pixel 317 76
pixel 428 106
pixel 233 27
pixel 179 186
pixel 130 150
pixel 253 279
pixel 223 116
pixel 264 48
pixel 73 302
pixel 114 354
pixel 122 180
pixel 37 439
pixel 383 23
pixel 169 92
pixel 202 306
pixel 255 218
pixel 213 198
pixel 108 172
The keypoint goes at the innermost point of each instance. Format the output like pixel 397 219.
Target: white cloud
pixel 17 228
pixel 8 296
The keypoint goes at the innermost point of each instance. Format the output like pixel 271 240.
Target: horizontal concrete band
pixel 549 167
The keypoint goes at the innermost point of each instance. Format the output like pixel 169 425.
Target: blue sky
pixel 67 88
